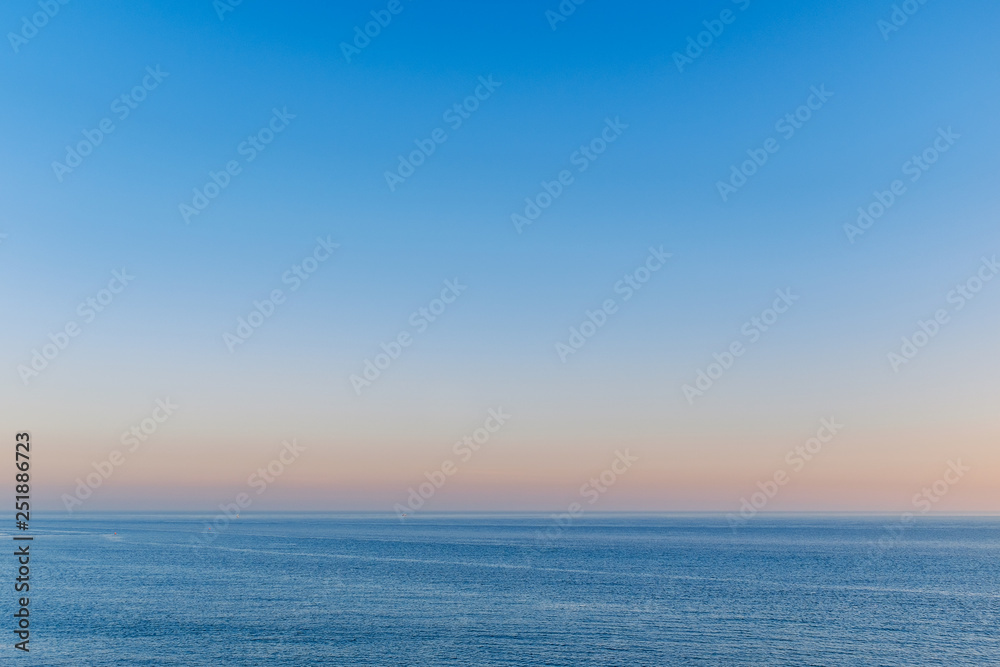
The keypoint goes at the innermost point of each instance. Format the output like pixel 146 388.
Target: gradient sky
pixel 495 346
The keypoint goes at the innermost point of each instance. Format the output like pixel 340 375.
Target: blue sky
pixel 655 185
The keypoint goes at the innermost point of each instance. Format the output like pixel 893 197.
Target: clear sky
pixel 640 123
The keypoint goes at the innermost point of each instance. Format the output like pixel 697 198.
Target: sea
pixel 508 589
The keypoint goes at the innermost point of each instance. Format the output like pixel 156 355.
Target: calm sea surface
pixel 486 590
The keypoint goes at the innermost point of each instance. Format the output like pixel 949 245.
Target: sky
pixel 592 203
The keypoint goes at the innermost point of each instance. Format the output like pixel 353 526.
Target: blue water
pixel 485 590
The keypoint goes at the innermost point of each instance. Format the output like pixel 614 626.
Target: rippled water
pixel 485 590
